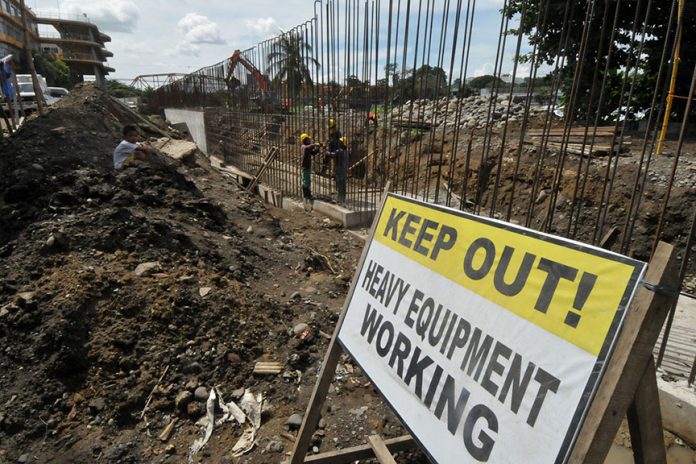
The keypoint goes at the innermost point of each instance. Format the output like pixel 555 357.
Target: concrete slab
pixel 678 407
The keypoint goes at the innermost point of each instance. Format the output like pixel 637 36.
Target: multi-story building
pixel 75 39
pixel 12 29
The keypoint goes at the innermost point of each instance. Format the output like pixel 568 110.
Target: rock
pixel 238 393
pixel 148 268
pixel 203 291
pixel 25 297
pixel 170 449
pixel 183 399
pixel 195 410
pixel 8 308
pixel 294 421
pixel 23 458
pixel 322 423
pixel 542 196
pixel 97 405
pixel 275 445
pixel 299 328
pixel 315 449
pixel 201 394
pixel 249 229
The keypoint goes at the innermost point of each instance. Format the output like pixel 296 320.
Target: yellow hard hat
pixel 344 140
pixel 303 137
pixel 332 123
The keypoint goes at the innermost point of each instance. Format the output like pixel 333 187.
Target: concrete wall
pixel 195 121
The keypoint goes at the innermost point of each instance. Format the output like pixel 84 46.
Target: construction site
pixel 184 308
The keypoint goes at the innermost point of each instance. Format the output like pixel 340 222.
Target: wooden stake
pixel 38 94
pixel 352 454
pixel 627 365
pixel 381 452
pixel 645 421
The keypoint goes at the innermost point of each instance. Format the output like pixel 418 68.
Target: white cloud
pixel 262 26
pixel 198 29
pixel 188 49
pixel 112 16
pixel 485 69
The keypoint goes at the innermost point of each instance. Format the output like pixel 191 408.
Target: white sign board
pixel 487 339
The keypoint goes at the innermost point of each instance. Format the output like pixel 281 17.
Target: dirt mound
pixel 147 285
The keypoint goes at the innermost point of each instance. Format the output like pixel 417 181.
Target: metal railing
pixel 563 156
pixel 64 16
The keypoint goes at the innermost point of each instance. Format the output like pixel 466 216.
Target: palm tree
pixel 290 58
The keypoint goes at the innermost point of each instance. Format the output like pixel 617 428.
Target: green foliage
pixel 55 70
pixel 119 90
pixel 290 59
pixel 426 82
pixel 485 81
pixel 548 34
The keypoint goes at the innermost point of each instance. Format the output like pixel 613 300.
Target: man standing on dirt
pixel 334 144
pixel 130 149
pixel 340 156
pixel 307 152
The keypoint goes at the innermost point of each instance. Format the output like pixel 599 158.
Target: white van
pixel 26 91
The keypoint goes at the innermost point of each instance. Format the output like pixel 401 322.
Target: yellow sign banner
pixel 571 290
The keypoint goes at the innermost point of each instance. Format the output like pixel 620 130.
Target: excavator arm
pixel 237 58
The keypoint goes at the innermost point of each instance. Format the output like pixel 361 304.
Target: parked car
pixel 57 92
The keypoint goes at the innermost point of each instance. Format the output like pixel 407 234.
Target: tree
pixel 118 90
pixel 548 37
pixel 426 82
pixel 55 70
pixel 290 58
pixel 391 70
pixel 485 81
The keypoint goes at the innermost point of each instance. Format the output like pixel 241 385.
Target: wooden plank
pixel 645 421
pixel 631 355
pixel 268 367
pixel 328 368
pixel 266 163
pixel 576 130
pixel 380 449
pixel 609 238
pixel 354 453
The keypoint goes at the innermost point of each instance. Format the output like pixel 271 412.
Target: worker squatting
pixel 500 371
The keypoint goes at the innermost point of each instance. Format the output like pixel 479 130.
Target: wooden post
pixel 38 94
pixel 18 99
pixel 645 421
pixel 632 354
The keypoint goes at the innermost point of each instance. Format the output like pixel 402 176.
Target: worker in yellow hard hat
pixel 307 152
pixel 334 136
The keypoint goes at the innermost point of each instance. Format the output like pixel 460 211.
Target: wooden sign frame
pixel 628 386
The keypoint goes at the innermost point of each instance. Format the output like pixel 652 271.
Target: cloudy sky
pixel 157 36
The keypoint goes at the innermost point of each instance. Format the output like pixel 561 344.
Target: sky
pixel 157 36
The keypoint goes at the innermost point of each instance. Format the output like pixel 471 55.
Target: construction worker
pixel 334 136
pixel 340 156
pixel 307 152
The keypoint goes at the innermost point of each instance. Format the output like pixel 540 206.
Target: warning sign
pixel 487 339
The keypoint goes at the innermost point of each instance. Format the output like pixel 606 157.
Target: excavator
pixel 267 100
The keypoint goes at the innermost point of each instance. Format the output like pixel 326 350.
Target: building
pixel 12 30
pixel 74 39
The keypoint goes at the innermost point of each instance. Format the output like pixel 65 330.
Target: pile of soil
pixel 156 283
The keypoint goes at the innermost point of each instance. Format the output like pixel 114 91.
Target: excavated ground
pixel 150 286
